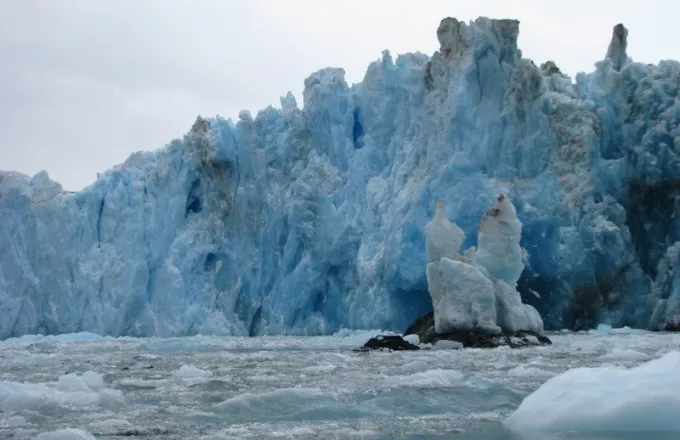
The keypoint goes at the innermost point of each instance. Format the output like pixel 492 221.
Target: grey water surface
pixel 212 388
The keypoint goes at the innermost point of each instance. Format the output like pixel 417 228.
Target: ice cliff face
pixel 308 220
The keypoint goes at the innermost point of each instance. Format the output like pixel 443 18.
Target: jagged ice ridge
pixel 304 221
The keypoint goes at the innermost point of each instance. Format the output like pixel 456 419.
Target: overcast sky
pixel 84 83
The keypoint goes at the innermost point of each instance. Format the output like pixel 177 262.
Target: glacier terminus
pixel 305 220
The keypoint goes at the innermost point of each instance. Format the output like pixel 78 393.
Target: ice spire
pixel 617 47
pixel 443 238
pixel 498 249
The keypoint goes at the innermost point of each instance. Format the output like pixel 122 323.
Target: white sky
pixel 84 83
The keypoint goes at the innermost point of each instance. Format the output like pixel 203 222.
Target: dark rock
pixel 671 327
pixel 424 328
pixel 387 342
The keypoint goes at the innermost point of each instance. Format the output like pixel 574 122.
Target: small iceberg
pixel 644 399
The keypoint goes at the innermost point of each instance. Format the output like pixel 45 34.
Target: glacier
pixel 308 220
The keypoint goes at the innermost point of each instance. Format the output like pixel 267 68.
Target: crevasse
pixel 304 221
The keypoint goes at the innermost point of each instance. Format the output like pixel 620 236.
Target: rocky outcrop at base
pixel 671 327
pixel 387 342
pixel 424 328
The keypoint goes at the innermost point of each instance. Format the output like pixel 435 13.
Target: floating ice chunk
pixel 412 339
pixel 279 403
pixel 416 366
pixel 70 391
pixel 644 399
pixel 15 421
pixel 141 384
pixel 93 380
pixel 606 328
pixel 111 398
pixel 191 372
pixel 72 383
pixel 427 379
pixel 344 332
pixel 498 249
pixel 443 238
pixel 524 371
pixel 66 434
pixel 532 339
pixel 462 296
pixel 16 396
pixel 625 355
pixel 447 345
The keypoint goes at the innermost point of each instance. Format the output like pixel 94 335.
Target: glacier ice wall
pixel 308 220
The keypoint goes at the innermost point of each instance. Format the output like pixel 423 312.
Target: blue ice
pixel 305 220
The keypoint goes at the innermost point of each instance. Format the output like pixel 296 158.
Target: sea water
pixel 214 388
